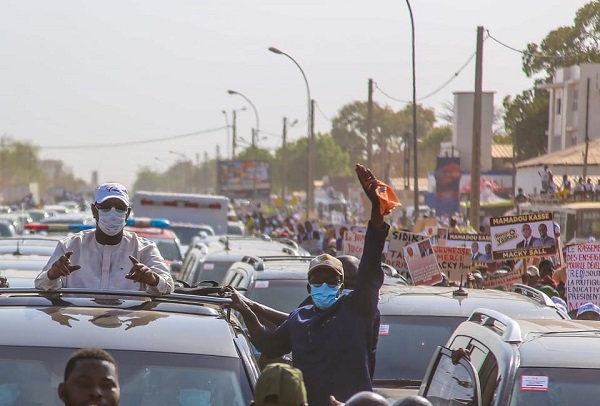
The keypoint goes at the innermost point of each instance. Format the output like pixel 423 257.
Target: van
pixel 185 208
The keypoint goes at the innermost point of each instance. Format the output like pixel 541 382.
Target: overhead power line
pixel 130 143
pixel 536 54
pixel 321 111
pixel 439 89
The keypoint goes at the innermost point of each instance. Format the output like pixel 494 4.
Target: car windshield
pixel 212 271
pixel 555 386
pixel 29 376
pixel 168 248
pixel 185 234
pixel 406 344
pixel 283 295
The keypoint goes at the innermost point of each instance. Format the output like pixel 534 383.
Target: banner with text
pixel 583 275
pixel 422 263
pixel 505 279
pixel 395 254
pixel 479 244
pixel 353 243
pixel 522 236
pixel 455 262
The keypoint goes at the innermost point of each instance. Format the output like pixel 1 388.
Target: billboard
pixel 244 179
pixel 447 181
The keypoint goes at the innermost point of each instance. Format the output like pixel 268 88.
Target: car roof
pixel 117 322
pixel 442 301
pixel 28 245
pixel 559 343
pixel 275 267
pixel 152 232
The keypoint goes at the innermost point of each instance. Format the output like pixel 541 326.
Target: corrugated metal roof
pixel 502 151
pixel 572 156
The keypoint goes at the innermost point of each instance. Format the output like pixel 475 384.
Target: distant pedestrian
pixel 545 177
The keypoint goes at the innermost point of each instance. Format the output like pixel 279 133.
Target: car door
pixel 447 383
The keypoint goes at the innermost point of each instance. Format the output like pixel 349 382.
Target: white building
pixel 569 106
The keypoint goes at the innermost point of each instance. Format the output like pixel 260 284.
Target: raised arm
pixel 370 274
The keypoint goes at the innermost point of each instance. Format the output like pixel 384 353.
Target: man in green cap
pixel 280 385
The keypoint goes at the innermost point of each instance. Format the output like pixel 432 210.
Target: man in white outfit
pixel 107 257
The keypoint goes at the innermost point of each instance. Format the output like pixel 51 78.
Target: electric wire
pixel 130 143
pixel 437 90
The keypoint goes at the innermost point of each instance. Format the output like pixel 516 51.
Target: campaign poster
pixel 522 236
pixel 425 225
pixel 455 262
pixel 504 279
pixel 447 182
pixel 583 275
pixel 422 263
pixel 353 243
pixel 244 179
pixel 395 253
pixel 479 244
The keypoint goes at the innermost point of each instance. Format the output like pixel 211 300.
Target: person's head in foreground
pixel 325 280
pixel 413 401
pixel 91 378
pixel 280 385
pixel 588 311
pixel 367 398
pixel 111 208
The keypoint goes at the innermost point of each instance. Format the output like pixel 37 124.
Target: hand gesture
pixel 141 273
pixel 238 302
pixel 368 182
pixel 62 267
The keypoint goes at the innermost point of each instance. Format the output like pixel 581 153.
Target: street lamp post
pixel 255 134
pixel 414 111
pixel 227 124
pixel 311 136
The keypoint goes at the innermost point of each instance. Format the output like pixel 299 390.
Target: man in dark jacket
pixel 329 339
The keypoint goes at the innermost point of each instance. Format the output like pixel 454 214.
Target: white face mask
pixel 111 222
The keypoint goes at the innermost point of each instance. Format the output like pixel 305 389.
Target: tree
pixel 148 180
pixel 349 128
pixel 567 46
pixel 526 121
pixel 330 160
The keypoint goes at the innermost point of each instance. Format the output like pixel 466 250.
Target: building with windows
pixel 574 103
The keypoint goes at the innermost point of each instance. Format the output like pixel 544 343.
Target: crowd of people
pixel 576 188
pixel 328 368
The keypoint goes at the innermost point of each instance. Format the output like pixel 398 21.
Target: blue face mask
pixel 324 296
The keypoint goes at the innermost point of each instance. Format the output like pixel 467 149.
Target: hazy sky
pixel 98 72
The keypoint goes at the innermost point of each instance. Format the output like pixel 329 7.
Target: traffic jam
pixel 179 267
pixel 300 203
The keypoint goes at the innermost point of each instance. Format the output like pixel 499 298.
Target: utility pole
pixel 284 160
pixel 370 126
pixel 234 135
pixel 407 161
pixel 587 125
pixel 310 199
pixel 254 165
pixel 476 153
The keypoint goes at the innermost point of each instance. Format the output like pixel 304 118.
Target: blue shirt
pixel 331 347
